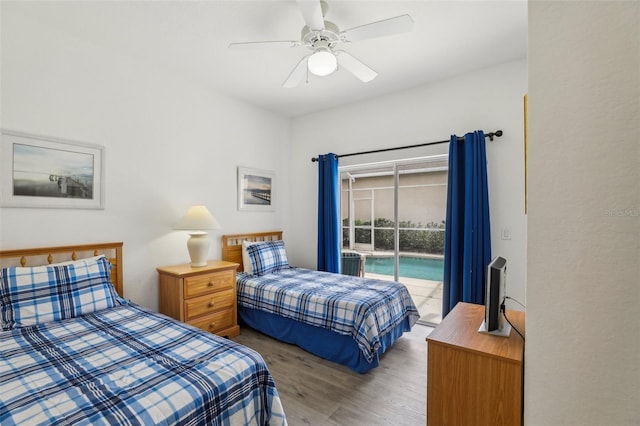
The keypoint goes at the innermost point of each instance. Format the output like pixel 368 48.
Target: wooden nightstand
pixel 474 378
pixel 204 297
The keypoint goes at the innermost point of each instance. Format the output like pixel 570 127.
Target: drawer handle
pixel 211 304
pixel 212 325
pixel 211 284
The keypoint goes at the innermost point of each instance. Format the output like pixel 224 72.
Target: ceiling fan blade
pixel 312 14
pixel 298 74
pixel 398 25
pixel 355 67
pixel 261 44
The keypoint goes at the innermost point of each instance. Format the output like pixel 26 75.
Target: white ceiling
pixel 192 37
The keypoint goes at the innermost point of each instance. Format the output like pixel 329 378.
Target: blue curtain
pixel 467 246
pixel 328 214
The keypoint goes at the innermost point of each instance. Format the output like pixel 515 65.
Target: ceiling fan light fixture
pixel 321 38
pixel 322 62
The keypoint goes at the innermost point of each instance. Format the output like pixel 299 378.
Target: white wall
pixel 488 100
pixel 583 273
pixel 170 143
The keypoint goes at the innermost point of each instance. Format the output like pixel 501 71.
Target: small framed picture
pixel 255 189
pixel 43 172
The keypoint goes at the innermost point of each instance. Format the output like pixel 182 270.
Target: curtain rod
pixel 489 135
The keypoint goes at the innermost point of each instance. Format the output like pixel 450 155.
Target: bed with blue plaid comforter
pixel 130 366
pixel 366 310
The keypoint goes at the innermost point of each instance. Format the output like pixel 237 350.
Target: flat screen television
pixel 494 320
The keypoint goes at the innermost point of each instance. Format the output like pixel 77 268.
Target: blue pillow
pixel 42 294
pixel 267 257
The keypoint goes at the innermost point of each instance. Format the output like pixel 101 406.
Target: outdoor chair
pixel 352 264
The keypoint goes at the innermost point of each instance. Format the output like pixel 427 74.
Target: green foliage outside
pixel 417 239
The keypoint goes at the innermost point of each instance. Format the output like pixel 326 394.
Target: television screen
pixel 494 321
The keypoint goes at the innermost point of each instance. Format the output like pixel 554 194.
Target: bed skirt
pixel 322 342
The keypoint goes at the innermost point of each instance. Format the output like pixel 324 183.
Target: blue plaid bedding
pixel 130 366
pixel 364 308
pixel 42 294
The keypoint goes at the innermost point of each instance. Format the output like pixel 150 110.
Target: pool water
pixel 410 267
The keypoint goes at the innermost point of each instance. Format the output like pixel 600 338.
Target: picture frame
pixel 526 151
pixel 255 189
pixel 44 172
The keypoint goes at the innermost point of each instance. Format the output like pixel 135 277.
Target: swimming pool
pixel 410 267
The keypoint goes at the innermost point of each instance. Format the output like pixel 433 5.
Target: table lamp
pixel 196 220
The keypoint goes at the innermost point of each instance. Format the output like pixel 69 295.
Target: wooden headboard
pixel 49 255
pixel 232 244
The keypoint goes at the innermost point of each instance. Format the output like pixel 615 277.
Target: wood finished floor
pixel 318 392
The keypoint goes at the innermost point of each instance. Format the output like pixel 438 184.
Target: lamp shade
pixel 197 218
pixel 322 62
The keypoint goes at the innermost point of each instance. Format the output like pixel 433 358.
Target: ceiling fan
pixel 321 37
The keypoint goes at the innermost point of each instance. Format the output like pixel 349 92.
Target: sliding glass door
pixel 393 214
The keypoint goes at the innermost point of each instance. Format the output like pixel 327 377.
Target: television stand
pixel 474 378
pixel 506 330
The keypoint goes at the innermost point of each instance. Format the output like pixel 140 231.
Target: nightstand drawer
pixel 216 322
pixel 203 305
pixel 203 284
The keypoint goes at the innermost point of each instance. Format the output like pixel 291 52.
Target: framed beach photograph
pixel 43 172
pixel 255 189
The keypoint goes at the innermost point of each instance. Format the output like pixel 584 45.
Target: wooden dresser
pixel 204 297
pixel 474 378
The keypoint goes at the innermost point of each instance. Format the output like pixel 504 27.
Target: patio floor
pixel 427 295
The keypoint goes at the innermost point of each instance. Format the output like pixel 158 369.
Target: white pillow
pixel 246 259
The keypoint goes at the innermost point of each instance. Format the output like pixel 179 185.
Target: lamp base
pixel 198 245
